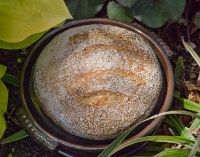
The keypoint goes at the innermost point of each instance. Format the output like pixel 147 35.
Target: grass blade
pixel 195 125
pixel 141 156
pixel 113 146
pixel 15 137
pixel 10 79
pixel 150 150
pixel 178 126
pixel 109 150
pixel 178 76
pixel 173 153
pixel 192 52
pixel 163 139
pixel 188 104
pixel 195 147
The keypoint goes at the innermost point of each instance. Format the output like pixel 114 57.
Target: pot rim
pixel 161 53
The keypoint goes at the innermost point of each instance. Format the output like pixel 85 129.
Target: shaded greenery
pixel 118 12
pixel 3 100
pixel 81 9
pixel 15 137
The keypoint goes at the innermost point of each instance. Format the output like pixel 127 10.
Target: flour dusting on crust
pixel 95 81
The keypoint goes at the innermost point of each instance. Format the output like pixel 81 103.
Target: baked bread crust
pixel 95 81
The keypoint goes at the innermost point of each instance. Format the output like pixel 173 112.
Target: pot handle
pixel 164 46
pixel 37 134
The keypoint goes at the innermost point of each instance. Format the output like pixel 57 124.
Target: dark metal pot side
pixel 46 132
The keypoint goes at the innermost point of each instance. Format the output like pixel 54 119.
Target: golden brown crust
pixel 99 35
pixel 97 80
pixel 126 47
pixel 82 79
pixel 103 97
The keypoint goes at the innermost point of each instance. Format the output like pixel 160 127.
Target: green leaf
pixel 149 150
pixel 126 3
pixel 163 139
pixel 195 147
pixel 2 70
pixel 176 93
pixel 178 125
pixel 189 105
pixel 3 97
pixel 155 13
pixel 197 19
pixel 142 156
pixel 2 124
pixel 23 44
pixel 118 12
pixel 195 125
pixel 173 153
pixel 10 79
pixel 111 149
pixel 172 8
pixel 192 106
pixel 15 137
pixel 178 72
pixel 153 148
pixel 10 155
pixel 3 101
pixel 148 13
pixel 21 19
pixel 192 52
pixel 81 9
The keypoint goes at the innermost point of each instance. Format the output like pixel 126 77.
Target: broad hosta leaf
pixel 3 107
pixel 20 19
pixel 148 13
pixel 3 101
pixel 173 8
pixel 23 44
pixel 2 70
pixel 197 19
pixel 81 9
pixel 2 125
pixel 154 13
pixel 3 97
pixel 118 12
pixel 126 3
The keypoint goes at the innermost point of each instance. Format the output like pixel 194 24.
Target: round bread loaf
pixel 95 81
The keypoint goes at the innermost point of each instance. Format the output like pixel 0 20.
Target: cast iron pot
pixel 46 132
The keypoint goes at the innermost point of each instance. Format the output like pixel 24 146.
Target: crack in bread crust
pixel 99 35
pixel 120 44
pixel 103 97
pixel 82 79
pixel 95 81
